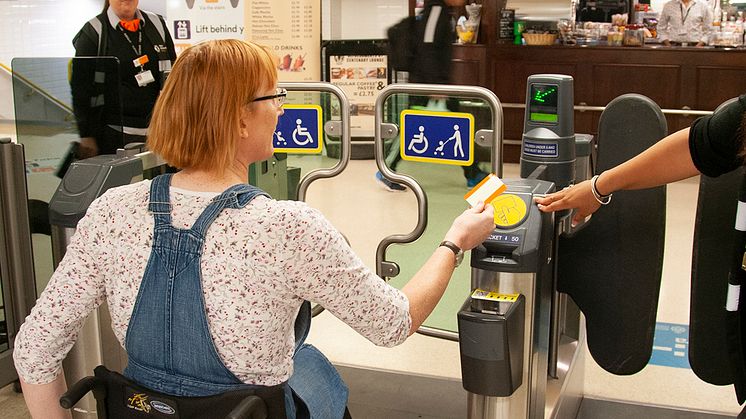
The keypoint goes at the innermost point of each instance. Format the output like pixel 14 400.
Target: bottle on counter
pixel 518 27
pixel 634 36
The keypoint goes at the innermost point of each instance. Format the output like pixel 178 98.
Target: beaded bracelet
pixel 602 199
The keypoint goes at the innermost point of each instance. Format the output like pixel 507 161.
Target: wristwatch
pixel 456 251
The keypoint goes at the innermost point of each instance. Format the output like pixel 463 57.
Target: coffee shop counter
pixel 676 78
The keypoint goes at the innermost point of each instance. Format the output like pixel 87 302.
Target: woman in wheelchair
pixel 206 276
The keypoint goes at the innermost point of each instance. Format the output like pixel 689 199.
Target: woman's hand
pixel 472 227
pixel 578 197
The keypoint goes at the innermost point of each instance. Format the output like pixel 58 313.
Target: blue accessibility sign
pixel 437 137
pixel 299 130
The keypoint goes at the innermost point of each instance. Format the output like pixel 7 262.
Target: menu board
pixel 292 29
pixel 505 25
pixel 361 77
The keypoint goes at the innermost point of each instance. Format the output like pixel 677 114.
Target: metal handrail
pixel 584 108
pixel 345 137
pixel 474 92
pixel 345 143
pixel 37 88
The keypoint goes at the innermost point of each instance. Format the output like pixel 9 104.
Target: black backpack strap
pixel 95 31
pixel 99 25
pixel 155 20
pixel 155 30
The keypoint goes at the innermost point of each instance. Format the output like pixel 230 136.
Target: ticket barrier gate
pixel 88 179
pixel 523 367
pixel 490 137
pixel 516 266
pixel 494 332
pixel 510 316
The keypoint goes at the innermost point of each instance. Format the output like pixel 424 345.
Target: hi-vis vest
pixel 154 31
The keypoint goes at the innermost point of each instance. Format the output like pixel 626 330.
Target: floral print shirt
pixel 259 263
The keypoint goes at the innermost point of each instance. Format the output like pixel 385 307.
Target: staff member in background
pixel 685 23
pixel 112 108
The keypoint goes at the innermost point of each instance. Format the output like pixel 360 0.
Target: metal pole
pixel 384 130
pixel 345 137
pixel 17 233
pixel 387 269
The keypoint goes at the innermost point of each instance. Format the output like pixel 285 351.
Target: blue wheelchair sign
pixel 437 137
pixel 299 130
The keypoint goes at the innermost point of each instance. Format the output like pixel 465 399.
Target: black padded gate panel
pixel 714 236
pixel 612 267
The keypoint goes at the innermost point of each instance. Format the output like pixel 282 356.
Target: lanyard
pixel 684 16
pixel 137 50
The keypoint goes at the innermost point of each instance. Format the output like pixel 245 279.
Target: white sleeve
pixel 75 289
pixel 664 33
pixel 322 268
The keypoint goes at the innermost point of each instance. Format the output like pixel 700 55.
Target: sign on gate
pixel 437 137
pixel 299 130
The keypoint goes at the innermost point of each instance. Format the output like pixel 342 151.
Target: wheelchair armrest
pixel 77 391
pixel 252 407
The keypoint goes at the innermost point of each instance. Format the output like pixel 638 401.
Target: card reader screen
pixel 542 105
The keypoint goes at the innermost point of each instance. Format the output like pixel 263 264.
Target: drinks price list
pixel 292 29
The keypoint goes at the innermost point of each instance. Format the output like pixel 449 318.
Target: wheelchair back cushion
pixel 125 398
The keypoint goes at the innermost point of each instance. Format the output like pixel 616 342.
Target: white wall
pixel 362 19
pixel 38 28
pixel 45 28
pixel 42 28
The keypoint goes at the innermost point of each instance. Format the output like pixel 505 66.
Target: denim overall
pixel 168 341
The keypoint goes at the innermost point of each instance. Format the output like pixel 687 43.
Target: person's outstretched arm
pixel 427 286
pixel 46 398
pixel 318 265
pixel 666 161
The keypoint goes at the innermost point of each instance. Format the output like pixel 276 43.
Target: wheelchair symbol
pixel 301 131
pixel 418 139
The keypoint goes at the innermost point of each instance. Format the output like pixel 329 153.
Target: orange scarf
pixel 130 25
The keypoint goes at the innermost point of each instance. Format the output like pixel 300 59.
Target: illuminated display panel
pixel 542 105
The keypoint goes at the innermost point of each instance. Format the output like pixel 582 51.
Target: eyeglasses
pixel 278 98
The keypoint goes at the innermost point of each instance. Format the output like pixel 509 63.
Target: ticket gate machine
pixel 548 129
pixel 517 315
pixel 505 324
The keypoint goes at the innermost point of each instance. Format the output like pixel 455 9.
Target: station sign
pixel 437 137
pixel 299 130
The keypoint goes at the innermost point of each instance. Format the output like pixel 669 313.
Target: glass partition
pixel 50 96
pixel 445 186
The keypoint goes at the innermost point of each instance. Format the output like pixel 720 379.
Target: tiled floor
pixel 12 404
